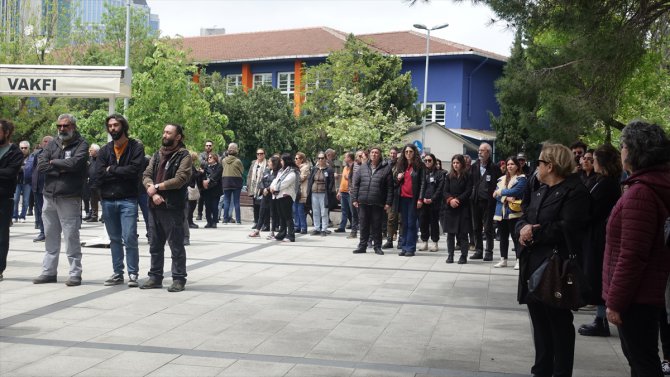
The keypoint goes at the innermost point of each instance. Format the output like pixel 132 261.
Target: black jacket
pixel 417 184
pixel 122 178
pixel 37 181
pixel 563 212
pixel 10 164
pixel 433 185
pixel 373 187
pixel 483 186
pixel 213 173
pixel 330 184
pixel 65 176
pixel 457 219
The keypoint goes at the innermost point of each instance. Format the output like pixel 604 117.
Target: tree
pixel 356 69
pixel 164 93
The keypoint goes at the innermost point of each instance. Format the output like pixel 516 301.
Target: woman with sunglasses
pixel 431 196
pixel 509 191
pixel 457 192
pixel 410 180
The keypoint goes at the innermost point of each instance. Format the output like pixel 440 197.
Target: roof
pixel 316 42
pixel 266 45
pixel 480 135
pixel 468 144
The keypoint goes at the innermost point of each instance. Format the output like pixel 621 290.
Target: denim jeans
pixel 229 194
pixel 121 223
pixel 319 211
pixel 409 229
pixel 344 202
pixel 299 216
pixel 21 189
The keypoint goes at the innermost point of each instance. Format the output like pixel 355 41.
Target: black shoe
pixel 208 226
pixel 39 238
pixel 477 255
pixel 193 226
pixel 378 251
pixel 267 229
pixel 29 213
pixel 73 281
pixel 599 327
pixel 399 246
pixel 177 286
pixel 338 230
pixel 388 245
pixel 401 254
pixel 115 279
pixel 348 226
pixel 304 231
pixel 315 233
pixel 450 258
pixel 151 284
pixel 42 279
pixel 92 219
pixel 353 235
pixel 463 259
pixel 409 253
pixel 488 257
pixel 360 250
pixel 324 233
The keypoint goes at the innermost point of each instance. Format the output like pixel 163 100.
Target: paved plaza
pixel 254 307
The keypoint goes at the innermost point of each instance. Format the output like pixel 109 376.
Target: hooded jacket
pixel 232 173
pixel 636 263
pixel 64 167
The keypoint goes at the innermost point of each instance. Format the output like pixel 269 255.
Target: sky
pixel 469 24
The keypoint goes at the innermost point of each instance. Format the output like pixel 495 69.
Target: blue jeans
pixel 121 223
pixel 409 228
pixel 21 189
pixel 299 216
pixel 229 194
pixel 319 211
pixel 346 209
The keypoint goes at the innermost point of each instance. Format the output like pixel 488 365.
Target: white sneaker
pixel 424 246
pixel 433 247
pixel 22 221
pixel 516 266
pixel 502 263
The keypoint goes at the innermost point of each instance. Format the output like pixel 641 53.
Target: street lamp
pixel 425 81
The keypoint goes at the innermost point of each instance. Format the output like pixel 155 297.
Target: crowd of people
pixel 604 206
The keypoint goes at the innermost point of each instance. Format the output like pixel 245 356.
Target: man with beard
pixel 117 176
pixel 11 159
pixel 63 163
pixel 166 179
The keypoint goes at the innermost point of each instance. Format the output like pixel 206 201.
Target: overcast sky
pixel 468 23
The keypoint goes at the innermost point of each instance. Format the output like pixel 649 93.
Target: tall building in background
pixel 90 12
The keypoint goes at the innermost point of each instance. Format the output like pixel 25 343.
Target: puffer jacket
pixel 373 187
pixel 636 263
pixel 64 166
pixel 517 187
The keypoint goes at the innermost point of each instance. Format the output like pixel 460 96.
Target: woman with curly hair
pixel 410 180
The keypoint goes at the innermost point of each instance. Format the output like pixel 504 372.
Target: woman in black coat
pixel 457 191
pixel 211 184
pixel 555 220
pixel 431 195
pixel 605 192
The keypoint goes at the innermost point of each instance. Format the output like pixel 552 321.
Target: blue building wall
pixel 479 94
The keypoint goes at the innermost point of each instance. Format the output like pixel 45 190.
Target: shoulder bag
pixel 559 283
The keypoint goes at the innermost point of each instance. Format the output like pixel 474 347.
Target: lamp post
pixel 127 57
pixel 425 80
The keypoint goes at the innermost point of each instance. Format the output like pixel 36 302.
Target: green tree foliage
pixel 164 93
pixel 356 69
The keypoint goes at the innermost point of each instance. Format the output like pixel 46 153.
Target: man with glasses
pixel 23 184
pixel 117 176
pixel 254 177
pixel 203 162
pixel 485 174
pixel 63 163
pixel 11 159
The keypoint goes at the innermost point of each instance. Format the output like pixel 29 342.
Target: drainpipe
pixel 472 73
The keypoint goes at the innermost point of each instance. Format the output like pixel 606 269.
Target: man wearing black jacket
pixel 117 176
pixel 372 195
pixel 485 176
pixel 11 160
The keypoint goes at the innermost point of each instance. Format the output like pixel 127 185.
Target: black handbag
pixel 559 283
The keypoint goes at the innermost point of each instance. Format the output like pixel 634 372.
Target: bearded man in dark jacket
pixel 372 195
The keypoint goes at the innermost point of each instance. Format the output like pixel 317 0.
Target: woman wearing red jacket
pixel 636 263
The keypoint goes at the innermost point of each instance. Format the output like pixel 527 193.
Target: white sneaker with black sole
pixel 115 279
pixel 132 281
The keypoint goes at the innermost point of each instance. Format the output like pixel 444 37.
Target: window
pixel 286 84
pixel 233 82
pixel 261 79
pixel 435 112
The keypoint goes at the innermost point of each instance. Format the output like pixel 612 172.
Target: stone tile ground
pixel 261 308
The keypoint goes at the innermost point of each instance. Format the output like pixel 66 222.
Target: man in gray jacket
pixel 63 163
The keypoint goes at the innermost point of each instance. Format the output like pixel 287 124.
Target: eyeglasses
pixel 258 153
pixel 428 160
pixel 210 158
pixel 208 146
pixel 541 161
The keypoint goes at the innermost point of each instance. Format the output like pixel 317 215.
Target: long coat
pixel 458 219
pixel 562 211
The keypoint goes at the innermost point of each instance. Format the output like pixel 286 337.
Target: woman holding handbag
pixel 508 197
pixel 553 223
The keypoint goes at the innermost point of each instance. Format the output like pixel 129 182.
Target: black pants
pixel 664 330
pixel 167 225
pixel 191 208
pixel 211 206
pixel 462 242
pixel 429 222
pixel 370 219
pixel 554 338
pixel 639 340
pixel 257 210
pixel 201 202
pixel 506 228
pixel 6 209
pixel 264 213
pixel 483 217
pixel 274 214
pixel 284 206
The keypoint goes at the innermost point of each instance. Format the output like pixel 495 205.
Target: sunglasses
pixel 428 160
pixel 541 161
